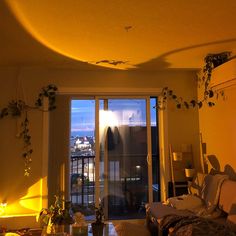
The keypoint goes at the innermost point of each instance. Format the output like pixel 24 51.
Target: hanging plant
pixel 211 61
pixel 18 108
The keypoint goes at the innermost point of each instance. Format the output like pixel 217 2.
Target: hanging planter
pixel 211 61
pixel 19 108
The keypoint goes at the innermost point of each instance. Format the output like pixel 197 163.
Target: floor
pixel 134 221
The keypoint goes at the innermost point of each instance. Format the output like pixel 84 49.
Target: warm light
pixel 18 215
pixel 138 167
pixel 28 205
pixel 108 119
pixel 32 200
pixel 29 15
pixel 90 173
pixel 11 234
pixel 3 206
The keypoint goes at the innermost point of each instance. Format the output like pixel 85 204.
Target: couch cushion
pixel 227 196
pixel 211 190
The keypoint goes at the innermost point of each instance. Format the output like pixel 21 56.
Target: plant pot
pixel 53 229
pixel 189 173
pixel 80 230
pixel 97 228
pixel 177 156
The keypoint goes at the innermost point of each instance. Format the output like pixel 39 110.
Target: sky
pixel 125 111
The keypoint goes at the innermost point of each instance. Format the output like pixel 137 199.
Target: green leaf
pixel 186 105
pixel 193 102
pixel 200 104
pixel 210 104
pixel 211 93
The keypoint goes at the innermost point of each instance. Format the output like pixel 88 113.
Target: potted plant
pixel 189 170
pixel 211 62
pixel 98 225
pixel 20 109
pixel 80 227
pixel 54 218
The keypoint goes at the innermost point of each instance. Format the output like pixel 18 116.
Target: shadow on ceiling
pixel 161 63
pixel 30 52
pixel 14 32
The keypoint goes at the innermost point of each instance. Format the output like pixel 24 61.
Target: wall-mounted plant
pixel 19 108
pixel 211 62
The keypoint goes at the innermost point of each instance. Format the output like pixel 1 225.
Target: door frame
pixel 112 91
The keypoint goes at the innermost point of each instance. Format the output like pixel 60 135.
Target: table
pixel 109 230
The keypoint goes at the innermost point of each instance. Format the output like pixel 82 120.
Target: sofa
pixel 210 205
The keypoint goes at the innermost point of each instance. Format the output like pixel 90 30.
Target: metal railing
pixel 82 180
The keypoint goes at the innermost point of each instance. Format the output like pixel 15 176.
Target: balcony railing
pixel 82 180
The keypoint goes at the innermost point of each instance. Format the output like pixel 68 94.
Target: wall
pixel 218 128
pixel 181 126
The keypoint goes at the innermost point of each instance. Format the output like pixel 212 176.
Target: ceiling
pixel 145 35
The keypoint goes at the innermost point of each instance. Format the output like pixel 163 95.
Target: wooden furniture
pixel 178 161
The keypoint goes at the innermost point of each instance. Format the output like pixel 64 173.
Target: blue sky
pixel 83 112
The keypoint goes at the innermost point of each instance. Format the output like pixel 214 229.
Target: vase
pixel 80 230
pixel 56 229
pixel 189 173
pixel 97 228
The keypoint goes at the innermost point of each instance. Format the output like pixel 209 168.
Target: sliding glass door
pixel 124 152
pixel 117 136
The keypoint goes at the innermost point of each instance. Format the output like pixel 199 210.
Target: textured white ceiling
pixel 154 34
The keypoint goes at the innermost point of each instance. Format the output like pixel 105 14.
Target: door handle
pixel 148 160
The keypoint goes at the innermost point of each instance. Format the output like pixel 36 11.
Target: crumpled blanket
pixel 207 203
pixel 185 202
pixel 176 225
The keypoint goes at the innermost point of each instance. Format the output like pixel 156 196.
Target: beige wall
pixel 218 128
pixel 182 126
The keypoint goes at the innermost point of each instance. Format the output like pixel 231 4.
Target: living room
pixel 30 61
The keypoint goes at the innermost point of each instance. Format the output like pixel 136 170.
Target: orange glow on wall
pixel 33 199
pixel 28 205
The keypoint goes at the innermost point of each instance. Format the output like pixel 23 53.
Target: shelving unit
pixel 178 162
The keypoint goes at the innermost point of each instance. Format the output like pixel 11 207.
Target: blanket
pixel 205 204
pixel 185 202
pixel 176 225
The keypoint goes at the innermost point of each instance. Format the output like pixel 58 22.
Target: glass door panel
pixel 111 135
pixel 124 188
pixel 82 156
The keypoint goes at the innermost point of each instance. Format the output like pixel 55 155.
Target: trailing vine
pixel 211 61
pixel 19 108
